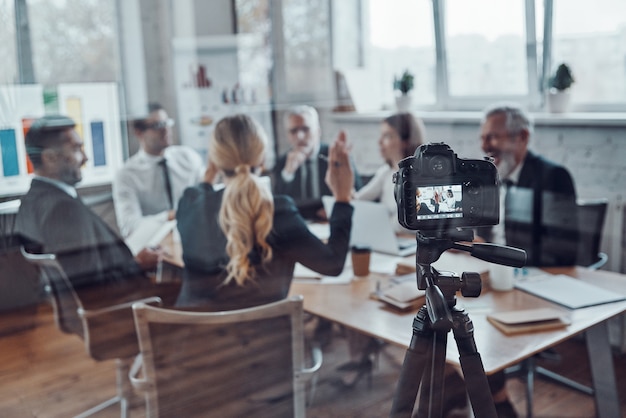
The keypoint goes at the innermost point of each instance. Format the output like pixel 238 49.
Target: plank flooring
pixel 46 374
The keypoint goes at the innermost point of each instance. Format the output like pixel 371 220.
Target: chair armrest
pixel 603 258
pixel 139 383
pixel 90 313
pixel 308 372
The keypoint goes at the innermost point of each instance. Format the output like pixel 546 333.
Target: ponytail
pixel 247 211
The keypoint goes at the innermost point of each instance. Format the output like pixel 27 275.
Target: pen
pixel 325 158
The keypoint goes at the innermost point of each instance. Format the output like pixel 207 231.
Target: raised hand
pixel 339 175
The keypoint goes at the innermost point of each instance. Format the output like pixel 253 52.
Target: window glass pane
pixel 74 40
pixel 253 18
pixel 8 69
pixel 401 37
pixel 592 41
pixel 306 37
pixel 486 47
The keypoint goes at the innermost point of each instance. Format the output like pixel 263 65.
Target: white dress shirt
pixel 498 230
pixel 139 189
pixel 381 188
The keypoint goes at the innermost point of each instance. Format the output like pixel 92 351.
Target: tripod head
pixel 441 287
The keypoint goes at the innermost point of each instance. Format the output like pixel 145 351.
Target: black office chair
pixel 591 215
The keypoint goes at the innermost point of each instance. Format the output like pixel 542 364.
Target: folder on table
pixel 567 291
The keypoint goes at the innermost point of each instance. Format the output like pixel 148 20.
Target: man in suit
pixel 537 207
pixel 300 172
pixel 53 219
pixel 538 196
pixel 152 181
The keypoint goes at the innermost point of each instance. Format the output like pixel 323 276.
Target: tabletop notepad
pixel 567 291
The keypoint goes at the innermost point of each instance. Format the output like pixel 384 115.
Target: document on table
pixel 149 233
pixel 304 274
pixel 567 291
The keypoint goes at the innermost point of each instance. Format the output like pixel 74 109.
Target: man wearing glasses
pixel 152 181
pixel 300 172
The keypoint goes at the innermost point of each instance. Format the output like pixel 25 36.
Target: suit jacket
pixel 90 252
pixel 205 257
pixel 307 204
pixel 547 228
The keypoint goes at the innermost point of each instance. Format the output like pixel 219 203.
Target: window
pixel 8 69
pixel 486 52
pixel 467 53
pixel 73 41
pixel 400 41
pixel 592 41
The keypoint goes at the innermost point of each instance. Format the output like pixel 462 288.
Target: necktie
pixel 168 184
pixel 313 178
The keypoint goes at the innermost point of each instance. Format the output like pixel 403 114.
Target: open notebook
pixel 372 227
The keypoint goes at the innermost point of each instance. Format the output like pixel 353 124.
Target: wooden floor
pixel 46 374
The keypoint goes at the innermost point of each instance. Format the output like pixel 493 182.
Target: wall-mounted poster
pixel 95 109
pixel 219 76
pixel 19 106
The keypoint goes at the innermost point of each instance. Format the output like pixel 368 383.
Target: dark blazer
pixel 307 205
pixel 204 251
pixel 90 252
pixel 550 236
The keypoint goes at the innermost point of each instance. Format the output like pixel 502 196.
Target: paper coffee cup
pixel 361 260
pixel 501 277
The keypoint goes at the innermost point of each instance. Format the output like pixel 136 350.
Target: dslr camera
pixel 437 191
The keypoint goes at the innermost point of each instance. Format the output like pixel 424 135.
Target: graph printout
pixel 8 146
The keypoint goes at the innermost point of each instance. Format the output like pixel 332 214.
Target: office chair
pixel 247 362
pixel 591 215
pixel 107 333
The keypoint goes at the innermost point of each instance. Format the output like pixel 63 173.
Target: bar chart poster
pixel 19 106
pixel 95 109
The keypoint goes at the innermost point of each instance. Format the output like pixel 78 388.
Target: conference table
pixel 347 301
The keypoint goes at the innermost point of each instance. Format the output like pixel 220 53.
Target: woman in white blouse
pixel 400 135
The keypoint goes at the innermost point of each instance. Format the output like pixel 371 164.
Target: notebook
pixel 372 227
pixel 567 291
pixel 528 320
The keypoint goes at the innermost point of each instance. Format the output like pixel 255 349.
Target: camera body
pixel 437 191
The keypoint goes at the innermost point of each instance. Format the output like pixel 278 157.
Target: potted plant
pixel 404 84
pixel 559 94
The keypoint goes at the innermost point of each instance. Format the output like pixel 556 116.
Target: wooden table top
pixel 350 305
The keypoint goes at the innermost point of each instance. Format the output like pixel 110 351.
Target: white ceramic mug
pixel 501 277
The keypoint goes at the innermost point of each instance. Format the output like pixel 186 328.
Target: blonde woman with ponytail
pixel 240 243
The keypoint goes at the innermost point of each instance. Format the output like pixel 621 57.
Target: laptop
pixel 373 227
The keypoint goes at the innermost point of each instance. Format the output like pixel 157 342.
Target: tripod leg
pixel 431 394
pixel 416 360
pixel 473 371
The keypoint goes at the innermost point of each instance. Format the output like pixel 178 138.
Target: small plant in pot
pixel 404 84
pixel 559 93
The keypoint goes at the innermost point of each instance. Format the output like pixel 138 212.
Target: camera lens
pixel 440 165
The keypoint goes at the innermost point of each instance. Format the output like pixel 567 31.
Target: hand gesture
pixel 295 158
pixel 339 175
pixel 148 258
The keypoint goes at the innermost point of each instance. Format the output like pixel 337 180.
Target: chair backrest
pixel 591 215
pixel 65 302
pixel 224 364
pixel 107 333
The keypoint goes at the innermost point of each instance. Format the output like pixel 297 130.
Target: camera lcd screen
pixel 439 202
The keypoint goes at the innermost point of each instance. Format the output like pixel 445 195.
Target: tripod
pixel 425 358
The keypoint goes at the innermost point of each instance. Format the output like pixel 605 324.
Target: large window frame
pixel 539 63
